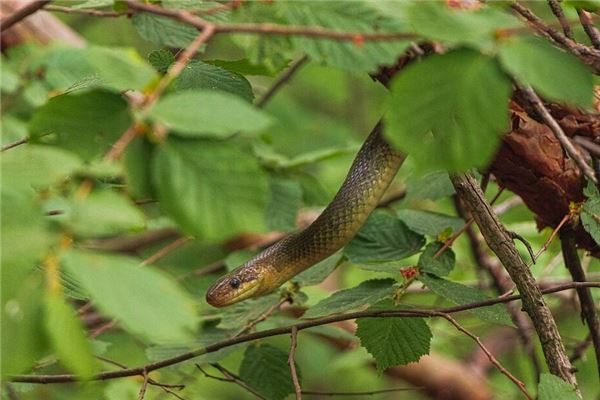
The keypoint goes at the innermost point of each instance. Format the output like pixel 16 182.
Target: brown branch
pixel 174 245
pixel 589 28
pixel 292 363
pixel 591 147
pixel 500 241
pixel 551 237
pixel 16 143
pixel 564 140
pixel 586 301
pixel 231 377
pixel 142 392
pixel 82 11
pixel 232 5
pixel 368 393
pixel 490 356
pixel 270 29
pixel 138 371
pixel 173 72
pixel 501 283
pixel 572 46
pixel 22 14
pixel 562 19
pixel 282 80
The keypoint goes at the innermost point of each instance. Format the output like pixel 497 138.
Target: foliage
pixel 88 236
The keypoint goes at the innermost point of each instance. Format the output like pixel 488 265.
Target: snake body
pixel 369 176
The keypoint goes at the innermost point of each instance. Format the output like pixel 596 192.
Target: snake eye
pixel 235 283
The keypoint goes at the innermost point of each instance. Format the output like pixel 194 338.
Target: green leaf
pixel 394 341
pixel 553 72
pixel 367 293
pixel 145 301
pixel 265 369
pixel 432 186
pixel 200 75
pixel 441 265
pixel 201 113
pixel 37 166
pixel 162 30
pixel 460 294
pixel 318 272
pixel 136 164
pixel 440 116
pixel 22 320
pixel 553 388
pixel 120 68
pixel 101 118
pixel 336 15
pixel 104 213
pixel 67 337
pixel 475 28
pixel 429 223
pixel 211 189
pixel 161 60
pixel 240 314
pixel 383 238
pixel 9 80
pixel 282 209
pixel 66 68
pixel 590 212
pixel 24 231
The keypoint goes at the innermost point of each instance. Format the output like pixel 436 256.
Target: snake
pixel 370 174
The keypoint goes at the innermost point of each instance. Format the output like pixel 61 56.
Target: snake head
pixel 240 284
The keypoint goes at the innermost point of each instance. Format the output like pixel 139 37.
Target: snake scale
pixel 369 176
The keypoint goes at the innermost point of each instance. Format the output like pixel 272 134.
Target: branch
pixel 562 19
pixel 566 143
pixel 574 47
pixel 500 241
pixel 588 307
pixel 270 29
pixel 22 14
pixel 589 28
pixel 283 78
pixel 90 12
pixel 138 371
pixel 174 70
pixel 16 143
pixel 490 356
pixel 292 363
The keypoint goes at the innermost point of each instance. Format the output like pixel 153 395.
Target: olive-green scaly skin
pixel 370 175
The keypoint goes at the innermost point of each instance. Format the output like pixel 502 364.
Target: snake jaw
pixel 236 286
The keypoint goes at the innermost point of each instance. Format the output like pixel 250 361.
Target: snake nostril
pixel 235 283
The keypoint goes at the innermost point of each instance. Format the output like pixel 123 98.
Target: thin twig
pixel 174 245
pixel 551 237
pixel 564 140
pixel 586 301
pixel 85 11
pixel 589 28
pixel 349 394
pixel 574 47
pixel 270 29
pixel 22 14
pixel 137 371
pixel 142 392
pixel 462 229
pixel 16 143
pixel 282 80
pixel 231 377
pixel 232 5
pixel 173 72
pixel 591 147
pixel 490 356
pixel 251 324
pixel 292 363
pixel 580 348
pixel 562 19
